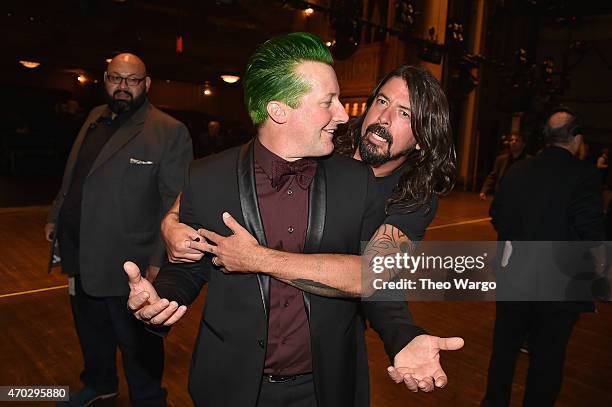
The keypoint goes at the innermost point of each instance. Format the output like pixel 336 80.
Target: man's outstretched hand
pixel 146 304
pixel 418 363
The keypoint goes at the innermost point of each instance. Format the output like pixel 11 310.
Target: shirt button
pixel 261 343
pixel 286 303
pixel 290 229
pixel 289 191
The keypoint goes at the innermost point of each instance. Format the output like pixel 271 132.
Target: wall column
pixel 467 142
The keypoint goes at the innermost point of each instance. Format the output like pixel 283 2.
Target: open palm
pixel 418 363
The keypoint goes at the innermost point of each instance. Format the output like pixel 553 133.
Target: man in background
pixel 503 162
pixel 124 171
pixel 551 197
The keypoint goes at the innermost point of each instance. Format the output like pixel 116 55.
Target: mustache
pixel 117 92
pixel 380 131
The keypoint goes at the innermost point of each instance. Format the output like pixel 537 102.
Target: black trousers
pixel 294 393
pixel 102 325
pixel 547 330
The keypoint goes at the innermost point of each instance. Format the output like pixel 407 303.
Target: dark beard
pixel 123 106
pixel 371 154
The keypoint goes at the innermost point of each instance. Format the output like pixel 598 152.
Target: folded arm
pixel 330 275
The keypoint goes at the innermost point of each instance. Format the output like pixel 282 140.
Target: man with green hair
pixel 263 341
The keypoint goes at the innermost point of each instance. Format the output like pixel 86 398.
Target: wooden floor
pixel 38 345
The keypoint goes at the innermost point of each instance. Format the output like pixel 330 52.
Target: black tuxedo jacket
pixel 551 197
pixel 131 185
pixel 228 359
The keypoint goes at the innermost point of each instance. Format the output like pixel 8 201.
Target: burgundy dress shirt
pixel 284 214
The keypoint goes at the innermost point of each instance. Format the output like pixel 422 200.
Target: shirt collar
pixel 277 169
pixel 264 157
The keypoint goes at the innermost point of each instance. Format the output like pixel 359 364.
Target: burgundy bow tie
pixel 303 169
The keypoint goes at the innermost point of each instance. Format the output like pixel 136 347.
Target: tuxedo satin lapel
pixel 250 211
pixel 125 133
pixel 317 200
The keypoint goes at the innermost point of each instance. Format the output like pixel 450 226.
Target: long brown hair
pixel 430 170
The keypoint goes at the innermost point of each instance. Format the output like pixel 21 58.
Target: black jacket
pixel 130 186
pixel 553 197
pixel 229 354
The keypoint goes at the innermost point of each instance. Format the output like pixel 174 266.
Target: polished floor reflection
pixel 38 345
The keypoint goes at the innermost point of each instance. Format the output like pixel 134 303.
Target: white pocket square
pixel 140 162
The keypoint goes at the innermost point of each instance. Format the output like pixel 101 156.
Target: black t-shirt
pixel 413 224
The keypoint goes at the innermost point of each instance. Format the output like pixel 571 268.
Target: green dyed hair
pixel 270 73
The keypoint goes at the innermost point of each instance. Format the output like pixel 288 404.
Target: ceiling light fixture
pixel 309 11
pixel 230 78
pixel 82 79
pixel 207 89
pixel 30 64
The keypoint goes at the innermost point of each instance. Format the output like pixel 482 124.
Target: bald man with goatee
pixel 125 169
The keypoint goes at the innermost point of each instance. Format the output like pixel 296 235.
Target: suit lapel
pixel 124 134
pixel 317 198
pixel 250 211
pixel 76 149
pixel 317 201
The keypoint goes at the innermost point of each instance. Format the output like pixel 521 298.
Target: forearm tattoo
pixel 311 286
pixel 388 241
pixel 318 288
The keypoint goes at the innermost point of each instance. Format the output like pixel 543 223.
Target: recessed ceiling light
pixel 30 64
pixel 230 78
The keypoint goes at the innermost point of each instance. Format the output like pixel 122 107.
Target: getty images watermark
pixel 401 263
pixel 490 271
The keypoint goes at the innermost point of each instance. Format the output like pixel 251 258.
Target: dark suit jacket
pixel 550 197
pixel 132 183
pixel 228 359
